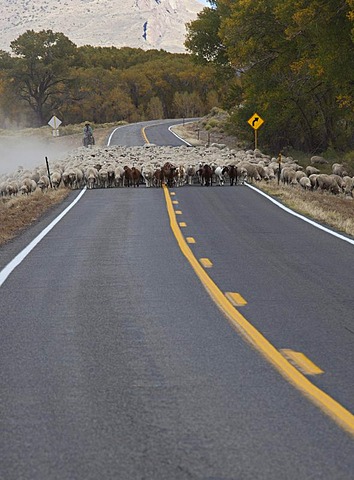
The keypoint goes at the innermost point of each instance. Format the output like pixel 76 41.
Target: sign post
pixel 54 122
pixel 255 121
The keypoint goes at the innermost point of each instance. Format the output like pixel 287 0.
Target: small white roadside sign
pixel 54 122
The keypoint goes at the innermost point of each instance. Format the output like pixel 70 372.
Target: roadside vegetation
pixel 17 213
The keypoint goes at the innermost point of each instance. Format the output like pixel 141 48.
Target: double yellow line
pixel 327 404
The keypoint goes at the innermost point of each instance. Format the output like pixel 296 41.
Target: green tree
pixel 40 70
pixel 294 64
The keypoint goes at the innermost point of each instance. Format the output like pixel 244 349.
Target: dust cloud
pixel 29 152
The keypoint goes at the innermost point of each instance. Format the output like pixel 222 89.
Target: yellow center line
pixel 182 224
pixel 178 212
pixel 144 135
pixel 143 131
pixel 175 202
pixel 327 404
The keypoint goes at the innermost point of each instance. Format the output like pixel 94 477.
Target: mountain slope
pixel 134 23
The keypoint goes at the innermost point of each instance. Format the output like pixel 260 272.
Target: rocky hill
pixel 143 24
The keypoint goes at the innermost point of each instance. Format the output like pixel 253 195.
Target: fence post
pixel 50 180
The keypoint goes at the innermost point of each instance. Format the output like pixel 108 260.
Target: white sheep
pixel 305 182
pixel 339 169
pixel 348 185
pixel 91 177
pixel 326 182
pixel 43 183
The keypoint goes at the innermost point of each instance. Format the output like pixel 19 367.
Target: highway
pixel 122 356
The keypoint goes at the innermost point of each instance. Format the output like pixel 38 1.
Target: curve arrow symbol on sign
pixel 255 121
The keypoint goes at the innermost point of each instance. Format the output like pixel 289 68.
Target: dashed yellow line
pixel 182 224
pixel 303 363
pixel 236 299
pixel 206 262
pixel 178 212
pixel 175 202
pixel 327 404
pixel 190 239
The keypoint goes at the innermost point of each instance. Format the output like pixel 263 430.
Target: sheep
pixel 318 160
pixel 261 171
pixel 191 171
pixel 43 183
pixel 348 185
pixel 119 176
pixel 158 177
pixel 339 180
pixel 338 169
pixel 79 177
pixel 219 174
pixel 181 176
pixel 3 190
pixel 270 172
pixel 288 176
pixel 103 177
pixel 69 178
pixel 326 182
pixel 56 178
pixel 299 174
pixel 305 183
pixel 28 186
pixel 111 175
pixel 91 177
pixel 311 170
pixel 136 176
pixel 220 146
pixel 313 178
pixel 11 188
pixel 147 173
pixel 252 173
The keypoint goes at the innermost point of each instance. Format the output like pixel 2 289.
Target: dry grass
pixel 335 211
pixel 17 213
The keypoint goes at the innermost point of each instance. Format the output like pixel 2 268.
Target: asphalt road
pixel 117 364
pixel 154 131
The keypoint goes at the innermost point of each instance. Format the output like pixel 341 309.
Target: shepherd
pixel 88 139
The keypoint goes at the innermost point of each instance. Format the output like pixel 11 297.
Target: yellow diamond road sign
pixel 255 121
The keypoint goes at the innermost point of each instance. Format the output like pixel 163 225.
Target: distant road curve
pixel 158 133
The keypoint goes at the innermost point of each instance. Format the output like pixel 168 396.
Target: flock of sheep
pixel 119 166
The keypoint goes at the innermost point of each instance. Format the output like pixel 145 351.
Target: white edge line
pixel 111 135
pixel 305 219
pixel 6 271
pixel 175 134
pixel 169 128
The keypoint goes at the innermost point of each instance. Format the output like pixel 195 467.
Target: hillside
pixel 143 24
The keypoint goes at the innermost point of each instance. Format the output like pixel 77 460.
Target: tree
pixel 40 70
pixel 203 39
pixel 187 104
pixel 294 61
